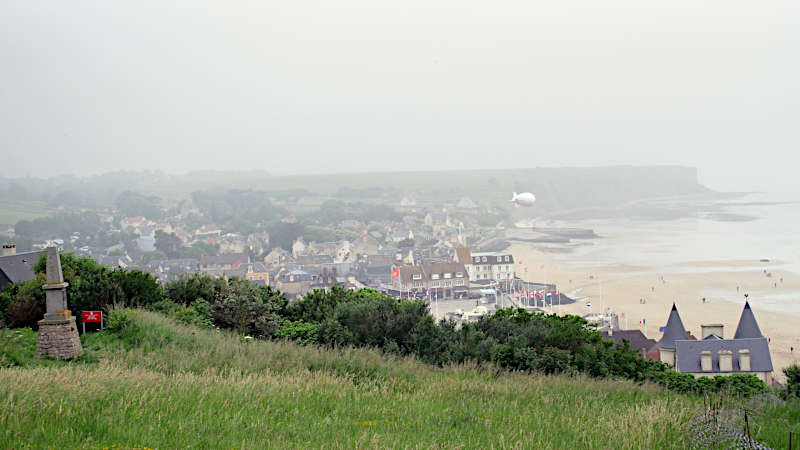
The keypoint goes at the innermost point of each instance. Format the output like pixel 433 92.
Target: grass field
pixel 12 212
pixel 161 385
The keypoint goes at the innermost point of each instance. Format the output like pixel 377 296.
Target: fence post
pixel 790 439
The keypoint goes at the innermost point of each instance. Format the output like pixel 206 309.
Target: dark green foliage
pixel 91 287
pixel 249 309
pixel 59 225
pixel 170 244
pixel 301 332
pixel 196 286
pixel 792 380
pixel 283 234
pixel 198 313
pixel 22 304
pixel 743 385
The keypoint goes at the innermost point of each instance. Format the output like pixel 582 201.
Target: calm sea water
pixel 664 245
pixel 772 235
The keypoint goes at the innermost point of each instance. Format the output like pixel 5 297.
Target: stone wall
pixel 58 338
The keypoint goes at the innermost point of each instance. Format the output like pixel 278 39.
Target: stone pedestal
pixel 58 338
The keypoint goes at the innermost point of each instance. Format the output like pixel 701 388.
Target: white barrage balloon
pixel 523 199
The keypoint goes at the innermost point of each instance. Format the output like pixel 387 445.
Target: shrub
pixel 792 380
pixel 302 332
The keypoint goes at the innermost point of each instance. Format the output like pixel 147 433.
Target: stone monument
pixel 58 333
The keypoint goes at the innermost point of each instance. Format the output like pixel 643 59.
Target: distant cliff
pixel 603 187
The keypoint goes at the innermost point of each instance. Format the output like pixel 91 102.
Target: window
pixel 416 276
pixel 459 274
pixel 484 259
pixel 434 284
pixel 435 276
pixel 499 259
pixel 448 283
pixel 507 258
pixel 418 284
pixel 477 259
pixel 507 269
pixel 459 282
pixel 448 275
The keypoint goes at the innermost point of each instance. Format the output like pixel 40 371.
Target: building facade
pixel 487 266
pixel 444 280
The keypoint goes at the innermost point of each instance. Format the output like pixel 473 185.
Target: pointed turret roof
pixel 673 331
pixel 748 327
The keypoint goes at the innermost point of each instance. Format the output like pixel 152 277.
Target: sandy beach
pixel 686 284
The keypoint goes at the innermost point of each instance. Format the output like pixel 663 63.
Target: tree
pixel 132 204
pixel 169 243
pixel 284 235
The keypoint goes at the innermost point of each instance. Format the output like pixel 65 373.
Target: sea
pixel 754 228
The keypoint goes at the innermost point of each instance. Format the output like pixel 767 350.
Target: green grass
pixel 162 385
pixel 12 212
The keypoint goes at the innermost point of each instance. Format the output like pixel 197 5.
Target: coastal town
pixel 453 256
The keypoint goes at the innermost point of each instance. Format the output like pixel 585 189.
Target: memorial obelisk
pixel 58 333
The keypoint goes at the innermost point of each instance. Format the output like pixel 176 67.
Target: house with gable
pixel 713 355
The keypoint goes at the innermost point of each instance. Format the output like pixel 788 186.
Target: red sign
pixel 91 316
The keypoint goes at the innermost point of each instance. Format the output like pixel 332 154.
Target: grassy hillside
pixel 12 212
pixel 157 384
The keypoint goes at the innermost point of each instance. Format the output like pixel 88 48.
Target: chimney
pixel 705 360
pixel 9 249
pixel 744 360
pixel 725 361
pixel 708 330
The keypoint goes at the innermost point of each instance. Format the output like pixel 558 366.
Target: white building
pixel 487 266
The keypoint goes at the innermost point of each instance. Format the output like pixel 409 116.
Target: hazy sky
pixel 356 85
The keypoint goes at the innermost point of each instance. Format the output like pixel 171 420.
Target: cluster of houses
pixel 435 276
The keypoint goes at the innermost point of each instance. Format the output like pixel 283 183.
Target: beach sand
pixel 685 284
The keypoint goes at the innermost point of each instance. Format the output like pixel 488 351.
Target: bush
pixel 792 380
pixel 302 332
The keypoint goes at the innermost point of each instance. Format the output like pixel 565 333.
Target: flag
pixel 643 322
pixel 541 267
pixel 532 295
pixel 520 262
pixel 549 294
pixel 661 329
pixel 588 303
pixel 396 273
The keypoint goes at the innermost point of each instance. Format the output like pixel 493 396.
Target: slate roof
pixel 748 327
pixel 689 352
pixel 674 330
pixel 637 339
pixel 463 255
pixel 19 267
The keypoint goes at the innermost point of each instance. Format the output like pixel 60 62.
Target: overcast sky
pixel 361 85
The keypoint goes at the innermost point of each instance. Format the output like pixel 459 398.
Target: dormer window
pixel 459 274
pixel 499 259
pixel 448 275
pixel 435 276
pixel 484 259
pixel 416 276
pixel 508 258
